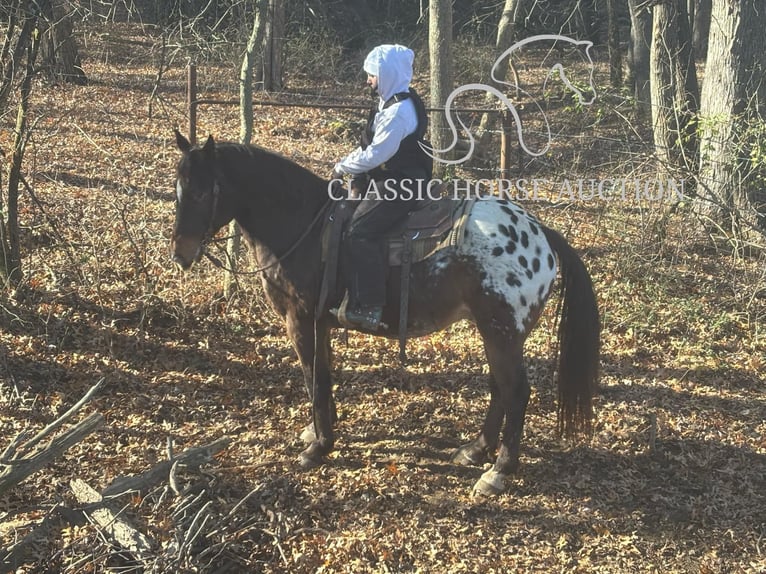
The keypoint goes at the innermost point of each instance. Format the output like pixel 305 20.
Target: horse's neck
pixel 273 213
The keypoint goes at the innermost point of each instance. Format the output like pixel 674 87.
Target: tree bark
pixel 506 32
pixel 60 55
pixel 613 41
pixel 733 155
pixel 701 28
pixel 440 56
pixel 272 46
pixel 10 247
pixel 260 19
pixel 674 88
pixel 640 40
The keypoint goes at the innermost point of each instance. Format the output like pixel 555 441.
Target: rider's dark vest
pixel 410 160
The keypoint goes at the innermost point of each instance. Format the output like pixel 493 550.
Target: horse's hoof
pixel 464 457
pixel 307 461
pixel 491 483
pixel 308 435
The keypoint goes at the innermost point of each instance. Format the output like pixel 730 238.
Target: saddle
pixel 435 225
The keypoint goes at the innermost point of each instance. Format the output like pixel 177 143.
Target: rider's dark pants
pixel 371 221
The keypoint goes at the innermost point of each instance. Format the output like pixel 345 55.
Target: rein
pixel 218 263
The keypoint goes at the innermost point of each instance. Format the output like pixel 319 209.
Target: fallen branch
pixel 191 457
pixel 112 525
pixel 20 458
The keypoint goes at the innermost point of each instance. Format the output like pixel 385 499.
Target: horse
pixel 499 276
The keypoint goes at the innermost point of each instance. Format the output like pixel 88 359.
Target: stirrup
pixel 365 317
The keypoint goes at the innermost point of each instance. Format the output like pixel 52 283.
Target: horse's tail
pixel 578 339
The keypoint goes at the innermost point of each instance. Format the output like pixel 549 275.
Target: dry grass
pixel 672 481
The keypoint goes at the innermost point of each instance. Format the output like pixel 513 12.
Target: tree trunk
pixel 506 32
pixel 60 55
pixel 613 41
pixel 10 265
pixel 733 155
pixel 273 40
pixel 674 88
pixel 640 40
pixel 260 19
pixel 701 29
pixel 440 55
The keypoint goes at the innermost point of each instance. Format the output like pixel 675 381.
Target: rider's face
pixel 372 81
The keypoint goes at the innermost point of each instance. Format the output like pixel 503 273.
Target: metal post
pixel 191 101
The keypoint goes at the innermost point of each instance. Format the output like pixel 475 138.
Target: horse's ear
pixel 209 146
pixel 182 143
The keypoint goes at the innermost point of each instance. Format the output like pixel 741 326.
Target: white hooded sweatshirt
pixel 392 64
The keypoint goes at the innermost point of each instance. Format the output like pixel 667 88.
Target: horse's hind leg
pixel 510 396
pixel 482 449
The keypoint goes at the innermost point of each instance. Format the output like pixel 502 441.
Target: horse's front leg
pixel 312 345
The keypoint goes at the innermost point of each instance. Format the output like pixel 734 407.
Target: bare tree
pixel 19 52
pixel 440 52
pixel 674 88
pixel 273 41
pixel 701 26
pixel 732 118
pixel 638 61
pixel 613 42
pixel 506 33
pixel 260 19
pixel 59 53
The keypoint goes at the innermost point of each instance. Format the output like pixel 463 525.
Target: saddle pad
pixel 440 224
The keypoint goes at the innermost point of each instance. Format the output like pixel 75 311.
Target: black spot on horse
pixel 503 229
pixel 510 247
pixel 523 261
pixel 523 300
pixel 537 250
pixel 530 274
pixel 493 234
pixel 497 251
pixel 541 291
pixel 512 280
pixel 514 217
pixel 524 239
pixel 506 209
pixel 533 228
pixel 502 201
pixel 551 261
pixel 535 265
pixel 512 233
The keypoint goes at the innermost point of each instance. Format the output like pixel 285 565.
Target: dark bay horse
pixel 500 277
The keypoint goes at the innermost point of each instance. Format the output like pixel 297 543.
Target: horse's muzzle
pixel 186 251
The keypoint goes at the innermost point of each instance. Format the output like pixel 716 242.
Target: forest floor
pixel 672 480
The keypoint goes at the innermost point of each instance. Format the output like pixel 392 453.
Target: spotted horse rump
pixel 518 264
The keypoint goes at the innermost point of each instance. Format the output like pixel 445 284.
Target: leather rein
pixel 218 263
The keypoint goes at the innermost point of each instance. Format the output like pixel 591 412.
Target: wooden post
pixel 191 101
pixel 505 155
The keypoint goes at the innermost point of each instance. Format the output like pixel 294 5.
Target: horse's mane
pixel 272 170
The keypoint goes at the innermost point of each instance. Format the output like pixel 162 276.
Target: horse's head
pixel 197 195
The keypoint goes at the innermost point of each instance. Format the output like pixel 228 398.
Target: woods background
pixel 150 418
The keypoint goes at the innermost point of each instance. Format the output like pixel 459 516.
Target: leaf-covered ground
pixel 673 480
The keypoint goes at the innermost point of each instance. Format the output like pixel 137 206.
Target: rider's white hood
pixel 392 64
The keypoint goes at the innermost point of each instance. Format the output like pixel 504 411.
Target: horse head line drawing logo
pixel 557 68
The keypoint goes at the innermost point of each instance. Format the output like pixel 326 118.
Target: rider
pixel 388 154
